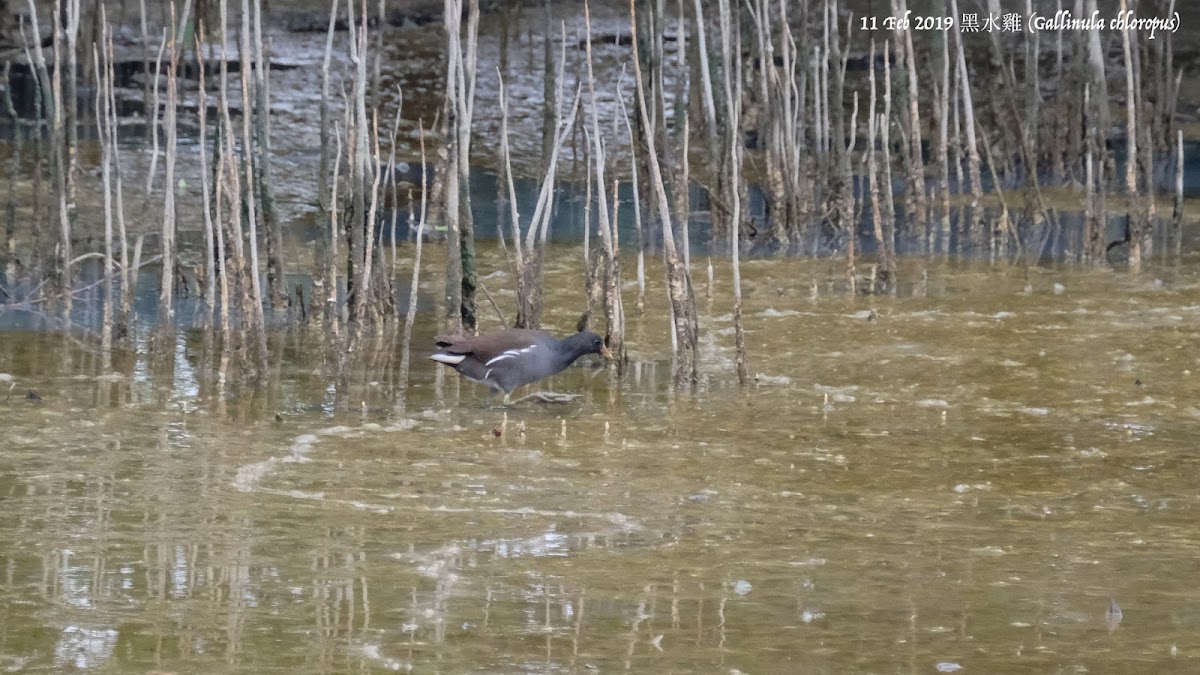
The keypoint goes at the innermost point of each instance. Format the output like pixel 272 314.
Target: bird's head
pixel 595 344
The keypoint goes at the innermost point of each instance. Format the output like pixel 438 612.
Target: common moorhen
pixel 511 358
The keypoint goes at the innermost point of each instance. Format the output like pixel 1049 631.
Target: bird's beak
pixel 608 356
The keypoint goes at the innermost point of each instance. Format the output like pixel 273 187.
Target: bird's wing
pixel 487 348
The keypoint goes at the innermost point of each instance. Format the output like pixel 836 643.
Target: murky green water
pixel 987 477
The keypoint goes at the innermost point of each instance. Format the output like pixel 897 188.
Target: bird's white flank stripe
pixel 512 353
pixel 452 359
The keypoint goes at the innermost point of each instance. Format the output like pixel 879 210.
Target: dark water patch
pixel 1060 240
pixel 408 14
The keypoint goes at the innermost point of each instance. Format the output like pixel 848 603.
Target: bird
pixel 510 358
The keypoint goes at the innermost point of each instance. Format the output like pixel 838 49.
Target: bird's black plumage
pixel 511 358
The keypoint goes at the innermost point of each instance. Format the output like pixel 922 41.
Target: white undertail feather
pixel 452 359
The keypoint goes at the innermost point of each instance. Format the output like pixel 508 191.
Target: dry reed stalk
pixel 956 143
pixel 1064 140
pixel 842 173
pixel 467 65
pixel 1002 228
pixel 246 274
pixel 682 171
pixel 769 132
pixel 1033 94
pixel 252 309
pixel 146 57
pixel 818 127
pixel 166 289
pixel 685 366
pixel 452 211
pixel 502 194
pixel 377 62
pixel 873 163
pixel 42 101
pixel 226 185
pixel 614 313
pixel 514 219
pixel 1097 192
pixel 14 163
pixel 152 118
pixel 323 191
pixel 793 84
pixel 590 272
pixel 916 210
pixel 712 127
pixel 1167 91
pixel 1091 228
pixel 106 143
pixel 613 297
pixel 827 56
pixel 968 125
pixel 1177 213
pixel 331 263
pixel 852 237
pixel 639 232
pixel 125 306
pixel 1133 209
pixel 210 272
pixel 276 274
pixel 224 202
pixel 733 97
pixel 681 182
pixel 657 76
pixel 1173 98
pixel 587 213
pixel 1149 212
pixel 367 286
pixel 887 268
pixel 357 137
pixel 58 171
pixel 70 103
pixel 1026 133
pixel 529 309
pixel 1099 84
pixel 943 151
pixel 792 87
pixel 1144 224
pixel 393 184
pixel 840 198
pixel 550 84
pixel 709 106
pixel 52 85
pixel 802 160
pixel 324 259
pixel 414 285
pixel 682 174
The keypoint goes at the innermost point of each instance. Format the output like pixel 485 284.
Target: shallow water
pixel 967 475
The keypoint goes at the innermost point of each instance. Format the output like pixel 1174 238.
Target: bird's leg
pixel 494 393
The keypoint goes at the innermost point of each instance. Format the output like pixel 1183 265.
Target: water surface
pixel 994 470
